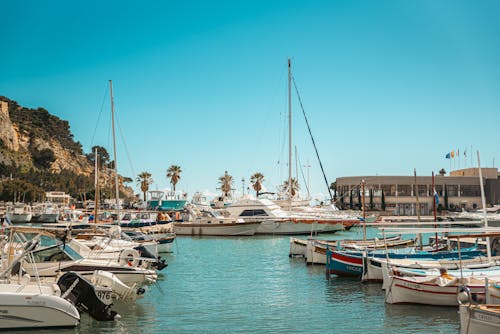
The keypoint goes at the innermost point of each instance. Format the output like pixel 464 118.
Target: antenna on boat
pixel 114 149
pixel 483 201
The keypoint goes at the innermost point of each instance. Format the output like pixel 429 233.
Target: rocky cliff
pixel 39 148
pixel 30 137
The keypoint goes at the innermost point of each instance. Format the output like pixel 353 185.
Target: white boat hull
pixel 401 290
pixel 315 253
pixel 297 247
pixel 225 229
pixel 17 218
pixel 291 227
pixel 478 319
pixel 20 310
pixel 129 276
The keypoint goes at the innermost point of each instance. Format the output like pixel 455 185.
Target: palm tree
pixel 226 181
pixel 256 181
pixel 292 188
pixel 174 174
pixel 144 180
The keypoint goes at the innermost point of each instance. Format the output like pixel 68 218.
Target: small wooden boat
pixel 479 319
pixel 352 263
pixel 298 247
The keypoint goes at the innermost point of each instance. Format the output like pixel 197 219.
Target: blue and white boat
pixel 354 263
pixel 166 201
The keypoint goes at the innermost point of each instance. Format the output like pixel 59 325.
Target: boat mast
pixel 363 208
pixel 417 204
pixel 114 149
pixel 434 194
pixel 483 200
pixel 96 183
pixel 290 129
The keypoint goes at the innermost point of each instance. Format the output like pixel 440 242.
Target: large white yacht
pixel 206 221
pixel 277 220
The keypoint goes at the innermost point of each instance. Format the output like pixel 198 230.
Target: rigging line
pixel 301 171
pixel 312 138
pixel 99 117
pixel 124 143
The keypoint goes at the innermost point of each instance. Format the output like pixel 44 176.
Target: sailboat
pixel 287 217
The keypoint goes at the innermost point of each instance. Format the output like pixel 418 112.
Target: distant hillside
pixel 38 153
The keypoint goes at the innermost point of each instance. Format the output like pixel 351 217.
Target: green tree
pixel 256 181
pixel 372 206
pixel 382 201
pixel 102 153
pixel 446 207
pixel 174 174
pixel 359 200
pixel 19 190
pixel 442 172
pixel 292 189
pixel 226 182
pixel 144 180
pixel 44 158
pixel 333 187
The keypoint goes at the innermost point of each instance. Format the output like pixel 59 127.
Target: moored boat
pixel 34 306
pixel 18 213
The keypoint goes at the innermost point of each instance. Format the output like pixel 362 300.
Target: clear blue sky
pixel 388 85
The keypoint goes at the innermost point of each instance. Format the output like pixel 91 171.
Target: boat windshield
pixel 56 254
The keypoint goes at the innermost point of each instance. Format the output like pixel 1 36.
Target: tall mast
pixel 434 194
pixel 417 205
pixel 114 149
pixel 96 182
pixel 290 128
pixel 483 202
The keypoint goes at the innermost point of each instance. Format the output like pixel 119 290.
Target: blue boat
pixel 351 264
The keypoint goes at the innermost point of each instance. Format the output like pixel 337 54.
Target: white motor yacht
pixel 206 221
pixel 274 219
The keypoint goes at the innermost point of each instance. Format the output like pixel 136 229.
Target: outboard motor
pixel 82 294
pixel 159 264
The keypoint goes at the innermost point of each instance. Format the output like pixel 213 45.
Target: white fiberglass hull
pixel 298 247
pixel 18 217
pixel 48 218
pixel 479 319
pixel 86 268
pixel 407 290
pixel 34 310
pixel 227 229
pixel 315 253
pixel 293 227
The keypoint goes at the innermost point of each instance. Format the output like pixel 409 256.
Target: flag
pixel 452 154
pixel 458 153
pixel 436 197
pixel 447 155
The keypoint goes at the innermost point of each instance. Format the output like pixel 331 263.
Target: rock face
pixel 19 140
pixel 33 140
pixel 8 133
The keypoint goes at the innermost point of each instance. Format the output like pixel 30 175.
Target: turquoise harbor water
pixel 250 285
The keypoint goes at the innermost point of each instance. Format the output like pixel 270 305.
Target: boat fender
pixel 129 257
